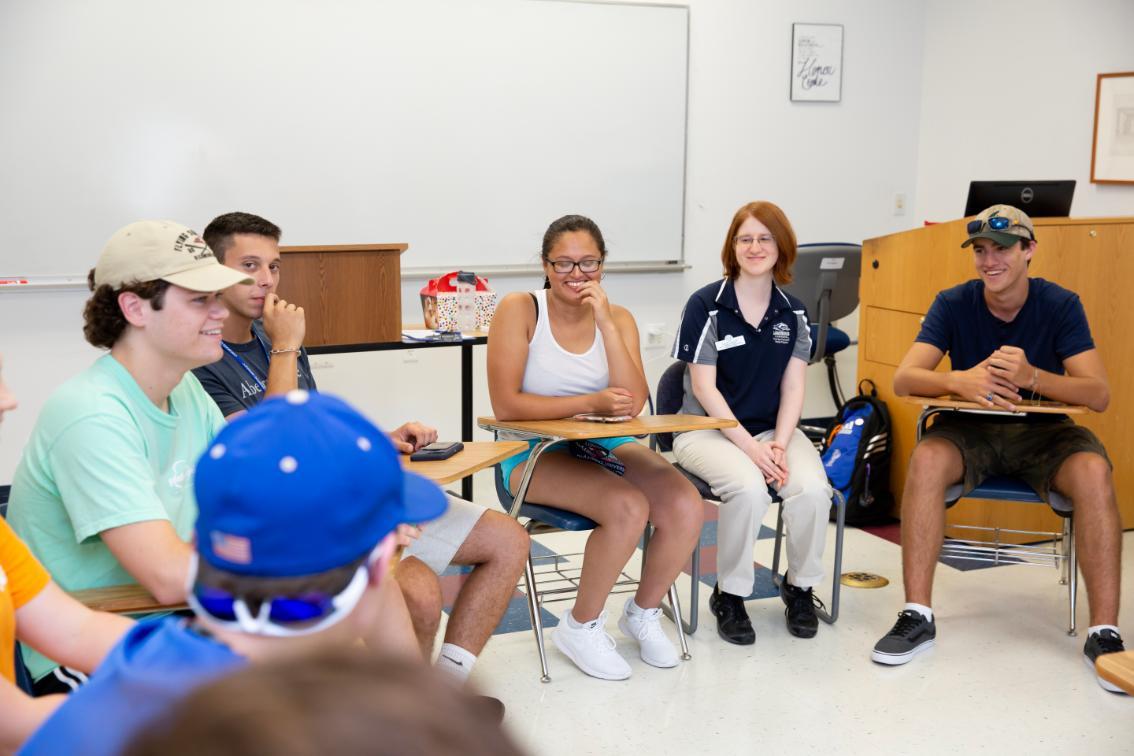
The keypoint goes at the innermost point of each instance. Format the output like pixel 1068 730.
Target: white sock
pixel 1099 628
pixel 921 609
pixel 575 624
pixel 455 661
pixel 632 608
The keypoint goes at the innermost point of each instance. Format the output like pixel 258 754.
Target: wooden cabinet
pixel 350 293
pixel 902 273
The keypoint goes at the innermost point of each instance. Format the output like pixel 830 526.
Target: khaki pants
pixel 735 479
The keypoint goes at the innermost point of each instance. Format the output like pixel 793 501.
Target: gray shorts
pixel 441 538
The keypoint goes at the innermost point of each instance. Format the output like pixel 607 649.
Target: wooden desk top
pixel 1024 407
pixel 578 430
pixel 1118 669
pixel 476 456
pixel 123 599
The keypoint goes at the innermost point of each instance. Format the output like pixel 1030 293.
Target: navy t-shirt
pixel 750 360
pixel 1051 326
pixel 235 387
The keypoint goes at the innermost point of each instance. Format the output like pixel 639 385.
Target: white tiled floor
pixel 1004 677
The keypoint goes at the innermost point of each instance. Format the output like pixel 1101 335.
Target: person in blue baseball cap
pixel 299 502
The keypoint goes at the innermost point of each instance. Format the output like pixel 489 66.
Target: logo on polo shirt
pixel 781 333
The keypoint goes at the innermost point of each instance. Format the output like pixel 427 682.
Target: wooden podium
pixel 350 293
pixel 901 274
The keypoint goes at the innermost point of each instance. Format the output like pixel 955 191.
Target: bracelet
pixel 283 351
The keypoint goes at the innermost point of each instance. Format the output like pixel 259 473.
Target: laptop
pixel 1039 199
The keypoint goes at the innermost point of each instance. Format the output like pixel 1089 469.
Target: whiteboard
pixel 462 127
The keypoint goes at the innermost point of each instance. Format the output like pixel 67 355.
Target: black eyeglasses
pixel 995 223
pixel 589 265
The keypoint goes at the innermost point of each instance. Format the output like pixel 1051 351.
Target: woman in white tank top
pixel 566 350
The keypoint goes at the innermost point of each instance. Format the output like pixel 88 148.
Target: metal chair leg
pixel 675 605
pixel 836 584
pixel 673 611
pixel 776 549
pixel 1073 577
pixel 537 621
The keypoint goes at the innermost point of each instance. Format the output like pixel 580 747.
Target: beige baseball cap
pixel 1003 224
pixel 162 251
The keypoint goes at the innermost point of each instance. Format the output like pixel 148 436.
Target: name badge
pixel 729 342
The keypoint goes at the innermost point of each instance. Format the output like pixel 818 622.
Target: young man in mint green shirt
pixel 103 494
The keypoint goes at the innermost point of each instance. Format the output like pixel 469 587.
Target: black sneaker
pixel 911 635
pixel 732 620
pixel 802 621
pixel 1103 642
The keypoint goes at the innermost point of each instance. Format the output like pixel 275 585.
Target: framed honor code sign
pixel 816 62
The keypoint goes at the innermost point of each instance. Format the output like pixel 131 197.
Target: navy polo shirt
pixel 1051 326
pixel 750 360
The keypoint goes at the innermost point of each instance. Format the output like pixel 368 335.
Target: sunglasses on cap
pixel 995 223
pixel 282 616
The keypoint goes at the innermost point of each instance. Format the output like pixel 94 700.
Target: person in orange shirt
pixel 36 611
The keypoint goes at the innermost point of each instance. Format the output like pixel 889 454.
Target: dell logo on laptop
pixel 1027 195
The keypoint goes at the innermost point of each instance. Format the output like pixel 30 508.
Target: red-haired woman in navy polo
pixel 747 343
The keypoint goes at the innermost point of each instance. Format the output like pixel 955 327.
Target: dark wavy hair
pixel 218 234
pixel 103 321
pixel 566 225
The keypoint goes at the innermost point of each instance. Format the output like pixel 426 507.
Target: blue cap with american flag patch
pixel 302 484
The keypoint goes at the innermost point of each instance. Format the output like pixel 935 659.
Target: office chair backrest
pixel 671 394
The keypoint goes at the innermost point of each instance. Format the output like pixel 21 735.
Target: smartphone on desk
pixel 436 450
pixel 592 417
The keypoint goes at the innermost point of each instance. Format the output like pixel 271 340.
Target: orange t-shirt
pixel 22 577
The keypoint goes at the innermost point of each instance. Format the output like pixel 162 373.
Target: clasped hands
pixel 771 459
pixel 998 380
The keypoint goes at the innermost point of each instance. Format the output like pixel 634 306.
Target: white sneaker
pixel 591 648
pixel 653 644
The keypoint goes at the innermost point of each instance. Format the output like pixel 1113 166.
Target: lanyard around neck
pixel 248 368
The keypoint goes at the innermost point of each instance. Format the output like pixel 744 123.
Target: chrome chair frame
pixel 1061 554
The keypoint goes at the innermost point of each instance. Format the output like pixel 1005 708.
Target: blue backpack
pixel 856 456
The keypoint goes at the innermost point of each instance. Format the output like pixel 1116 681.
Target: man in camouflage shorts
pixel 1010 339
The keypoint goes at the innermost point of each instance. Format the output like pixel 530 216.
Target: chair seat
pixel 837 339
pixel 558 518
pixel 702 487
pixel 1007 489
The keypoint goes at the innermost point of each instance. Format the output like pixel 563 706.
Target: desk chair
pixel 671 392
pixel 1061 555
pixel 825 278
pixel 545 519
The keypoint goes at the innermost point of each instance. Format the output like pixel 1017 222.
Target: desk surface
pixel 1024 407
pixel 476 456
pixel 123 599
pixel 577 430
pixel 1118 669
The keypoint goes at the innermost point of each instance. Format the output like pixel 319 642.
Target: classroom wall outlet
pixel 899 204
pixel 656 335
pixel 409 356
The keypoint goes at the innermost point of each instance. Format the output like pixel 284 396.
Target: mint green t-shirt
pixel 103 455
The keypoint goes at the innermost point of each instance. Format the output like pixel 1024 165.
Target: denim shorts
pixel 508 465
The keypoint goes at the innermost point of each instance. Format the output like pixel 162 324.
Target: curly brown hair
pixel 103 321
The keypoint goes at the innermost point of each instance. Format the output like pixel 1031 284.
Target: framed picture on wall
pixel 1112 154
pixel 816 62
